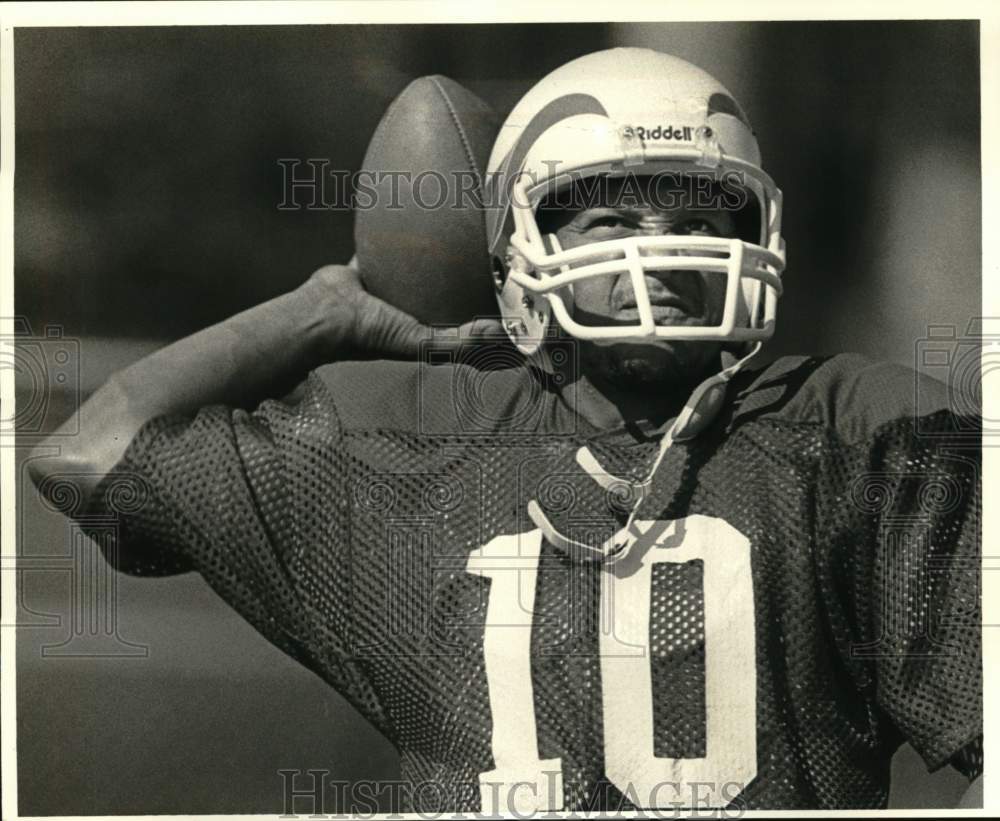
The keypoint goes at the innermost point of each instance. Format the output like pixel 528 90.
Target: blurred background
pixel 146 190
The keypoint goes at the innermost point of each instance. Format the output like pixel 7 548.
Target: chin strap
pixel 697 414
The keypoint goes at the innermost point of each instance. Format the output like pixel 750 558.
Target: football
pixel 419 229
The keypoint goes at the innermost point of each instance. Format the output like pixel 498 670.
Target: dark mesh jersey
pixel 804 597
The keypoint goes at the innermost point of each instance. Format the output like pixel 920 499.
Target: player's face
pixel 678 297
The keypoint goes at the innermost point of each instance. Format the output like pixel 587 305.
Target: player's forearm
pixel 238 362
pixel 258 353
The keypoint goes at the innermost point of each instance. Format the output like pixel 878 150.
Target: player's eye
pixel 699 227
pixel 608 223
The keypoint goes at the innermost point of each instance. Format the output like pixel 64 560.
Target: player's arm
pixel 257 354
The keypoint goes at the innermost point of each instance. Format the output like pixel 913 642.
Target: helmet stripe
pixel 561 108
pixel 724 104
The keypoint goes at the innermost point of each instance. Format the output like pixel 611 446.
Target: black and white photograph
pixel 424 410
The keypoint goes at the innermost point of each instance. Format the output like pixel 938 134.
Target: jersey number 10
pixel 521 781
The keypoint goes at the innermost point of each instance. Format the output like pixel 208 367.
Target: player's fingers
pixel 389 333
pixel 394 334
pixel 482 329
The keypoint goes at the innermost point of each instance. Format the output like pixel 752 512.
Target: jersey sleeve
pixel 900 521
pixel 254 502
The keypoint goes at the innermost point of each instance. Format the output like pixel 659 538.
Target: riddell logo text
pixel 664 132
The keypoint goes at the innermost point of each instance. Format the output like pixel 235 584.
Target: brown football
pixel 418 231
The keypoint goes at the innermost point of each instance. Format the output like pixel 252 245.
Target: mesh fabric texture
pixel 339 523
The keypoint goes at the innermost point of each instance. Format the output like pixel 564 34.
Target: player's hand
pixel 362 326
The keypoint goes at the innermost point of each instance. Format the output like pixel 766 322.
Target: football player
pixel 630 570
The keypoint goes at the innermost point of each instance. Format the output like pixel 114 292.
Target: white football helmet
pixel 618 112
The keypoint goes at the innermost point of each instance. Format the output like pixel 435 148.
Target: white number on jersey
pixel 522 782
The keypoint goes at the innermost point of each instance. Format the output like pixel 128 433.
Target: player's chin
pixel 662 363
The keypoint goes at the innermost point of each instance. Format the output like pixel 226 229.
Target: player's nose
pixel 657 280
pixel 656 225
pixel 652 225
